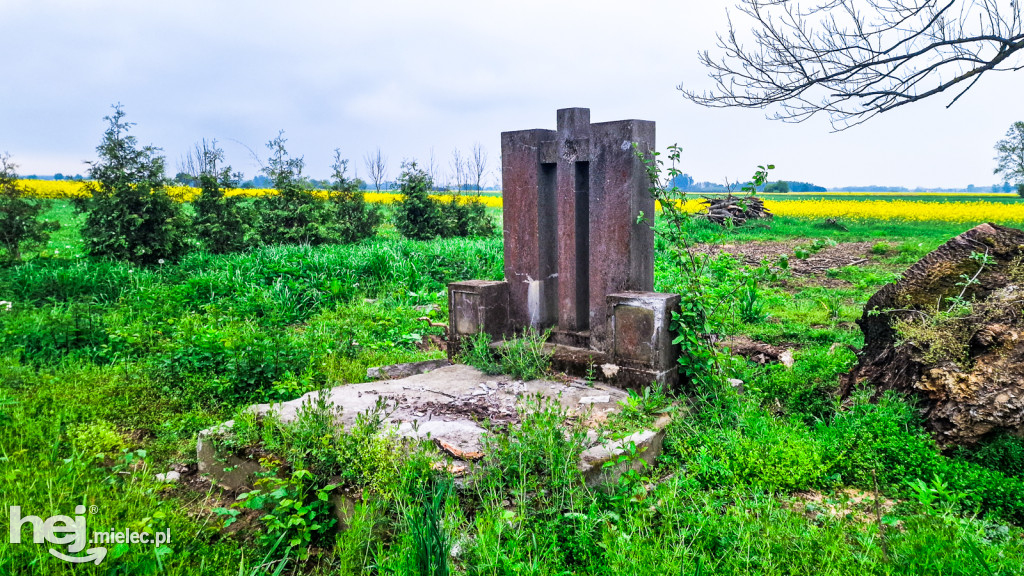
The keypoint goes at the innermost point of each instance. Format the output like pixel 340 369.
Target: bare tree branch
pixel 478 164
pixel 460 170
pixel 854 59
pixel 377 165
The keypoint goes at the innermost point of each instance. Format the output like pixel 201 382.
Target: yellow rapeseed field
pixel 880 209
pixel 905 210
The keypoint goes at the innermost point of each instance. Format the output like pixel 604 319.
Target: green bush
pixel 294 215
pixel 1004 453
pixel 465 216
pixel 417 216
pixel 420 217
pixel 222 224
pixel 20 226
pixel 356 219
pixel 130 216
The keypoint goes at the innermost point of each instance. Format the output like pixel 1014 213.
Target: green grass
pixel 100 360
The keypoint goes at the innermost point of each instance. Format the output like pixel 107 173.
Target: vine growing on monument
pixel 700 319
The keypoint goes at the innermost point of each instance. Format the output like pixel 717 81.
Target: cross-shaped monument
pixel 579 252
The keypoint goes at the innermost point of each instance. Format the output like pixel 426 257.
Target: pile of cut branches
pixel 736 209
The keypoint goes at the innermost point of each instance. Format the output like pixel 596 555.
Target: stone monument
pixel 579 253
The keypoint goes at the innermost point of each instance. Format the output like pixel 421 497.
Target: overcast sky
pixel 411 76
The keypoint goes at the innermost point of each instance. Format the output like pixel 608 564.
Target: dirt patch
pixel 816 264
pixel 757 351
pixel 849 503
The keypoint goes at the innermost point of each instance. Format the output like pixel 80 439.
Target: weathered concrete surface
pixel 478 306
pixel 530 226
pixel 640 329
pixel 446 403
pixel 979 390
pixel 574 204
pixel 441 405
pixel 404 370
pixel 594 461
pixel 621 249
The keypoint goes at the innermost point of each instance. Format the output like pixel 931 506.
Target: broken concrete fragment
pixel 405 370
pixel 786 358
pixel 456 453
pixel 600 464
pixel 596 399
pixel 461 437
pixel 168 477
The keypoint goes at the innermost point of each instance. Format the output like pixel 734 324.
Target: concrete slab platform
pixel 449 404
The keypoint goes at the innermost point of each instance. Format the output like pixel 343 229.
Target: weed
pixel 751 307
pixel 297 510
pixel 881 248
pixel 431 543
pixel 476 352
pixel 524 356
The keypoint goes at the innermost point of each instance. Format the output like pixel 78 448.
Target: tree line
pixel 130 215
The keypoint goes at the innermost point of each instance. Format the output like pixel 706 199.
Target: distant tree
pixel 377 165
pixel 417 216
pixel 681 181
pixel 20 226
pixel 58 176
pixel 130 216
pixel 355 219
pixel 459 165
pixel 805 187
pixel 295 215
pixel 434 170
pixel 854 59
pixel 223 224
pixel 780 187
pixel 478 164
pixel 1010 156
pixel 185 179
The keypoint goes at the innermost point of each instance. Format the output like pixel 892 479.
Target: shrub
pixel 420 217
pixel 476 352
pixel 356 219
pixel 222 225
pixel 294 215
pixel 20 226
pixel 417 216
pixel 465 216
pixel 130 215
pixel 1004 453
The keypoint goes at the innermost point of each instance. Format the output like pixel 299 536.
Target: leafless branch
pixel 854 59
pixel 377 166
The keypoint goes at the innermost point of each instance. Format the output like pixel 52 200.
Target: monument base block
pixel 476 306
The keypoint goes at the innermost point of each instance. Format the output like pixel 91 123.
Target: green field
pixel 109 371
